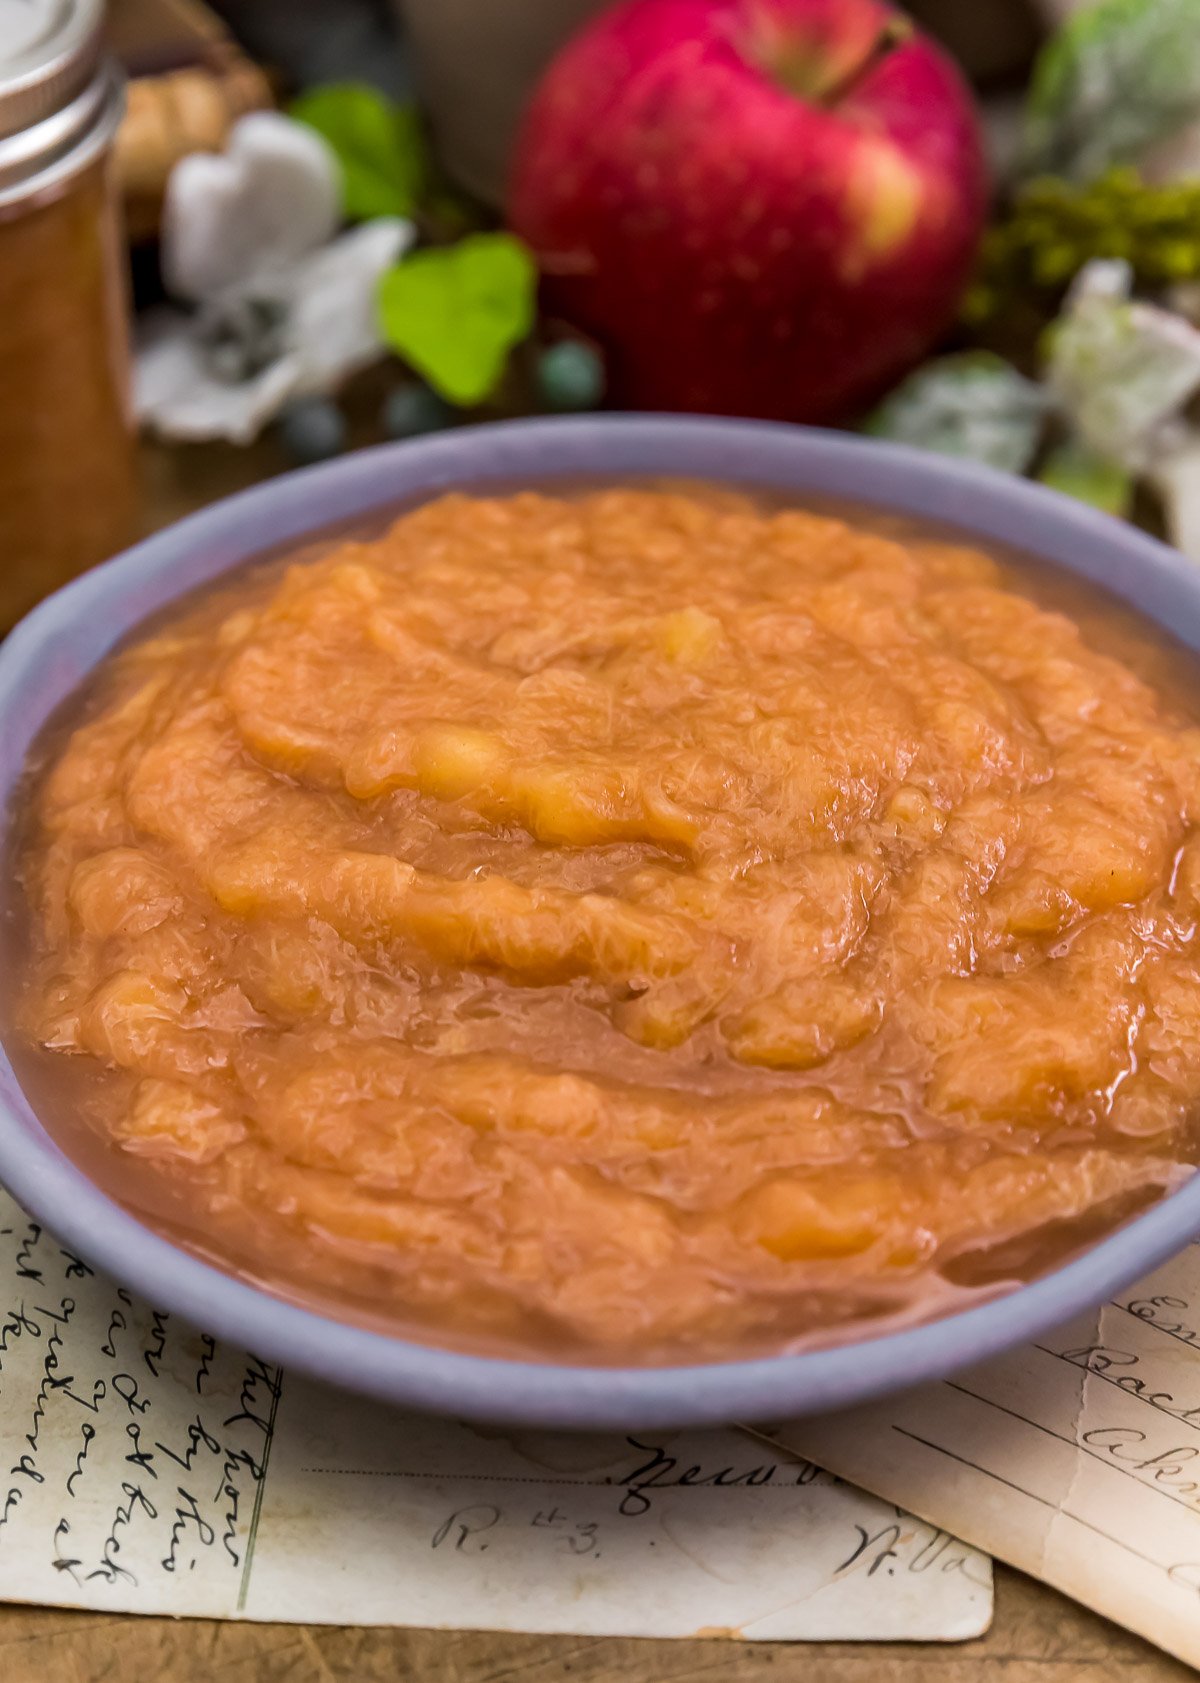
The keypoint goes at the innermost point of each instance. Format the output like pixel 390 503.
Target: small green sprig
pixel 1054 228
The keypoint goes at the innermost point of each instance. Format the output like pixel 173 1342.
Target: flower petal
pixel 272 198
pixel 1122 370
pixel 176 393
pixel 334 328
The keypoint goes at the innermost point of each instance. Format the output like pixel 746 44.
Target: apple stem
pixel 895 32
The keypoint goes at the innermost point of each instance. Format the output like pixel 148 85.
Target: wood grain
pixel 1037 1637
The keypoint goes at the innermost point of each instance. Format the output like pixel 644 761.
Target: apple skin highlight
pixel 756 207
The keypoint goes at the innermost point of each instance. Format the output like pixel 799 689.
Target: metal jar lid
pixel 60 95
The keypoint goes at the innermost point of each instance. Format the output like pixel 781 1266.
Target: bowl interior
pixel 55 648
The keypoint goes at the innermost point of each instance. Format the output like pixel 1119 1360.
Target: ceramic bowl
pixel 58 644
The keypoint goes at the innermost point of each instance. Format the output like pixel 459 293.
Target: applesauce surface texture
pixel 631 927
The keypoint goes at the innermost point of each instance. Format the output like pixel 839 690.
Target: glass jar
pixel 67 466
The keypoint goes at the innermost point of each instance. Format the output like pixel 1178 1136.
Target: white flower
pixel 1122 371
pixel 283 310
pixel 1125 373
pixel 273 196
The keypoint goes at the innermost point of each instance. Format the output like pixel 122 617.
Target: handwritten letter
pixel 1076 1458
pixel 690 1533
pixel 133 1451
pixel 145 1467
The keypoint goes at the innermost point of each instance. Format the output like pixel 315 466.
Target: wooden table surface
pixel 1037 1636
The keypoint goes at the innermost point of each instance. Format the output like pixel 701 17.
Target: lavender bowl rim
pixel 59 641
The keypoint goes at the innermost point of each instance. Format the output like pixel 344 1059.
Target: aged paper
pixel 1076 1458
pixel 145 1467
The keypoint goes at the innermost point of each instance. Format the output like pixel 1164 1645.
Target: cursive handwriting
pixel 1175 1471
pixel 125 1462
pixel 87 1433
pixel 62 1562
pixel 208 1349
pixel 187 1517
pixel 464 1525
pixel 25 1268
pixel 1162 1312
pixel 260 1388
pixel 662 1471
pixel 906 1545
pixel 198 1438
pixel 156 1343
pixel 135 1501
pixel 116 1323
pixel 1124 1369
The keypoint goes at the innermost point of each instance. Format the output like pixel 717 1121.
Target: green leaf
pixel 379 146
pixel 1080 472
pixel 1120 77
pixel 970 404
pixel 454 312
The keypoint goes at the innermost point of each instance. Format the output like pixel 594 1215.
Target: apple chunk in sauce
pixel 629 926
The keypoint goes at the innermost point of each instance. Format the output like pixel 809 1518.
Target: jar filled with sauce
pixel 67 466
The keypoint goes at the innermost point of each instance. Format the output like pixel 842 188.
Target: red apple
pixel 757 207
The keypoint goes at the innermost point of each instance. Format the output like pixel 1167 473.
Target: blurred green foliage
pixel 1032 254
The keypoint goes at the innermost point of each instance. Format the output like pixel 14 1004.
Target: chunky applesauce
pixel 636 925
